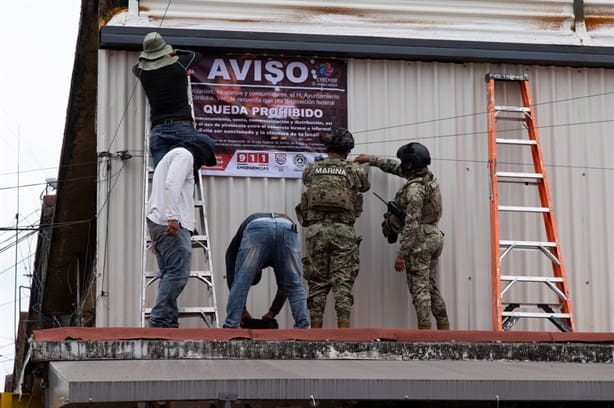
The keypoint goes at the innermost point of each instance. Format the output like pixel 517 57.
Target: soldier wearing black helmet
pixel 421 240
pixel 329 206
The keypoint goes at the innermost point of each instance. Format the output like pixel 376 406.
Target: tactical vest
pixel 332 194
pixel 431 209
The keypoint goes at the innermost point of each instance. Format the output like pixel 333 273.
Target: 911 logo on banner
pixel 260 158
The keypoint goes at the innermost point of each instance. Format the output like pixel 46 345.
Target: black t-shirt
pixel 166 88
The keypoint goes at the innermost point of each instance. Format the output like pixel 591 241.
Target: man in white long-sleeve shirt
pixel 170 219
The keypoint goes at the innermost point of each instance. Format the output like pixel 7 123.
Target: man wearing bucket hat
pixel 163 73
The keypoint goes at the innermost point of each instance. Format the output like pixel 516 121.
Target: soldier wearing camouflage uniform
pixel 421 240
pixel 328 209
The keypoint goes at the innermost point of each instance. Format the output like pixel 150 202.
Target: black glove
pixel 260 324
pixel 388 232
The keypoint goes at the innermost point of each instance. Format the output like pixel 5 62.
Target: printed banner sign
pixel 266 114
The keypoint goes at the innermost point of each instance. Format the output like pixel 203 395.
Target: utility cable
pixel 110 189
pixel 12 266
pixel 49 168
pixel 60 181
pixel 125 112
pixel 466 115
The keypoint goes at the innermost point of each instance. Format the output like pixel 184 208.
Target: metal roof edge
pixel 93 382
pixel 130 38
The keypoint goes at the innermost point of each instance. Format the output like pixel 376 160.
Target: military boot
pixel 316 323
pixel 443 324
pixel 343 323
pixel 424 325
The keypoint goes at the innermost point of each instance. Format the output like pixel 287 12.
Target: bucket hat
pixel 156 52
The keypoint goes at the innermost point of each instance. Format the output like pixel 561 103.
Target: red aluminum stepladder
pixel 505 315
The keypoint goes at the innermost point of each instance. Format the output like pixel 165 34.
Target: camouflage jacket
pixel 332 191
pixel 420 198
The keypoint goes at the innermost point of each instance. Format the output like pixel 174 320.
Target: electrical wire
pixel 450 135
pixel 110 189
pixel 49 168
pixel 63 181
pixel 121 119
pixel 12 267
pixel 116 174
pixel 473 114
pixel 20 239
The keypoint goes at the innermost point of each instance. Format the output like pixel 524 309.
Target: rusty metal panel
pixel 390 103
pixel 599 21
pixel 527 21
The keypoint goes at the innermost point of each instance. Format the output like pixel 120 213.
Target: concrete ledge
pixel 156 349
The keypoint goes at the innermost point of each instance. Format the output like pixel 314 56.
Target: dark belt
pixel 276 215
pixel 171 121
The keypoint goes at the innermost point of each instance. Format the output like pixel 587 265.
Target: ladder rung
pixel 512 119
pixel 532 304
pixel 531 279
pixel 193 274
pixel 200 273
pixel 516 109
pixel 527 244
pixel 517 141
pixel 193 310
pixel 196 310
pixel 519 175
pixel 199 241
pixel 501 76
pixel 536 314
pixel 524 209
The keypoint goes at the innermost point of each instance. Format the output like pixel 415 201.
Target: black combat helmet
pixel 415 154
pixel 339 139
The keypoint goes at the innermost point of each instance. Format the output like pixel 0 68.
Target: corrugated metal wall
pixel 443 106
pixel 523 21
pixel 390 103
pixel 120 126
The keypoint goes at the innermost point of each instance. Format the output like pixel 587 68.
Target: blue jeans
pixel 174 255
pixel 164 137
pixel 274 242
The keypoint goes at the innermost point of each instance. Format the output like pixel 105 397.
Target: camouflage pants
pixel 332 262
pixel 421 270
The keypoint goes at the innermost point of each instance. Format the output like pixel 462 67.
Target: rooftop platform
pixel 88 365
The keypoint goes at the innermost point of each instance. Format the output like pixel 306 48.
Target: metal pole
pixel 79 314
pixel 15 318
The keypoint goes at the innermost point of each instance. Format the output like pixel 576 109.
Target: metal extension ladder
pixel 202 277
pixel 506 314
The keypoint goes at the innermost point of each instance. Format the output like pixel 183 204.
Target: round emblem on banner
pixel 300 160
pixel 281 158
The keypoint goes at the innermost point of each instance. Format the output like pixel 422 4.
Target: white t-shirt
pixel 172 190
